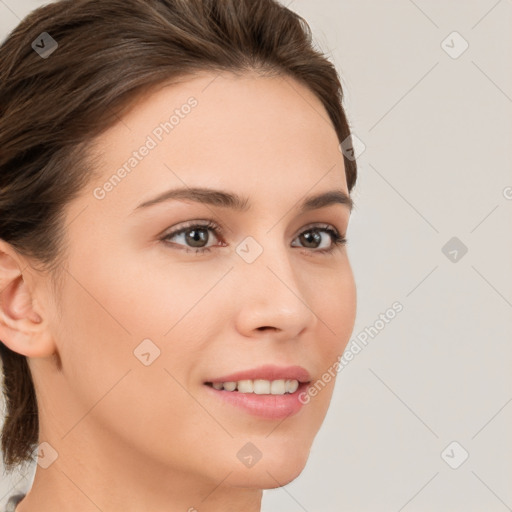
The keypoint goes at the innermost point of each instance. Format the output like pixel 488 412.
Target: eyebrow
pixel 224 199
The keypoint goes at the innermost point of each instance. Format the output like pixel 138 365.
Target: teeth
pixel 277 387
pixel 230 386
pixel 291 386
pixel 260 386
pixel 245 386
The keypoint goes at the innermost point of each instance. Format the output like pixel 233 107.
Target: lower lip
pixel 265 406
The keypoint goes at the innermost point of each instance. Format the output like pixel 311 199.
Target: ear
pixel 23 328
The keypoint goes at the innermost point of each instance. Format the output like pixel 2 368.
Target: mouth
pixel 263 392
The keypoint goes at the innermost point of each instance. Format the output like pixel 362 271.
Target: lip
pixel 273 407
pixel 267 372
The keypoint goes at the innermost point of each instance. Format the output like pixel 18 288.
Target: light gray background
pixel 437 164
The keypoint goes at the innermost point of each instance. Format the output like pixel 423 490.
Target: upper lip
pixel 267 372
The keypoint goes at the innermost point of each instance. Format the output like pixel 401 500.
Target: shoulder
pixel 13 501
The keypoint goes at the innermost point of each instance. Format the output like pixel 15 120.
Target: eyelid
pixel 203 223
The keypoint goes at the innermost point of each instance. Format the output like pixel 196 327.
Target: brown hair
pixel 109 54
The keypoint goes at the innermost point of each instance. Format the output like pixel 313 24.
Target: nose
pixel 273 295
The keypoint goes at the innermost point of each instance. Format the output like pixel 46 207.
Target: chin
pixel 271 472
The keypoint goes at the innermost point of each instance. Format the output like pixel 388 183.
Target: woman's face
pixel 143 322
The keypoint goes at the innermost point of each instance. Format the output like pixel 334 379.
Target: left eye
pixel 196 235
pixel 313 235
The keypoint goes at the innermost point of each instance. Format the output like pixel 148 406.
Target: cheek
pixel 336 311
pixel 336 318
pixel 119 314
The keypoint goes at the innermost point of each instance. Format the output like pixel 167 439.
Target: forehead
pixel 246 132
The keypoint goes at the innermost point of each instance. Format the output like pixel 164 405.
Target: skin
pixel 150 438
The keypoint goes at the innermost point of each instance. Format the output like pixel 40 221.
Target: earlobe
pixel 22 328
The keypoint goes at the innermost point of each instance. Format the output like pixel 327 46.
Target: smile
pixel 270 391
pixel 258 386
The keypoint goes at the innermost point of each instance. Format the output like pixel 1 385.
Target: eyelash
pixel 337 240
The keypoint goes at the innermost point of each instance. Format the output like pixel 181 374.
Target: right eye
pixel 195 234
